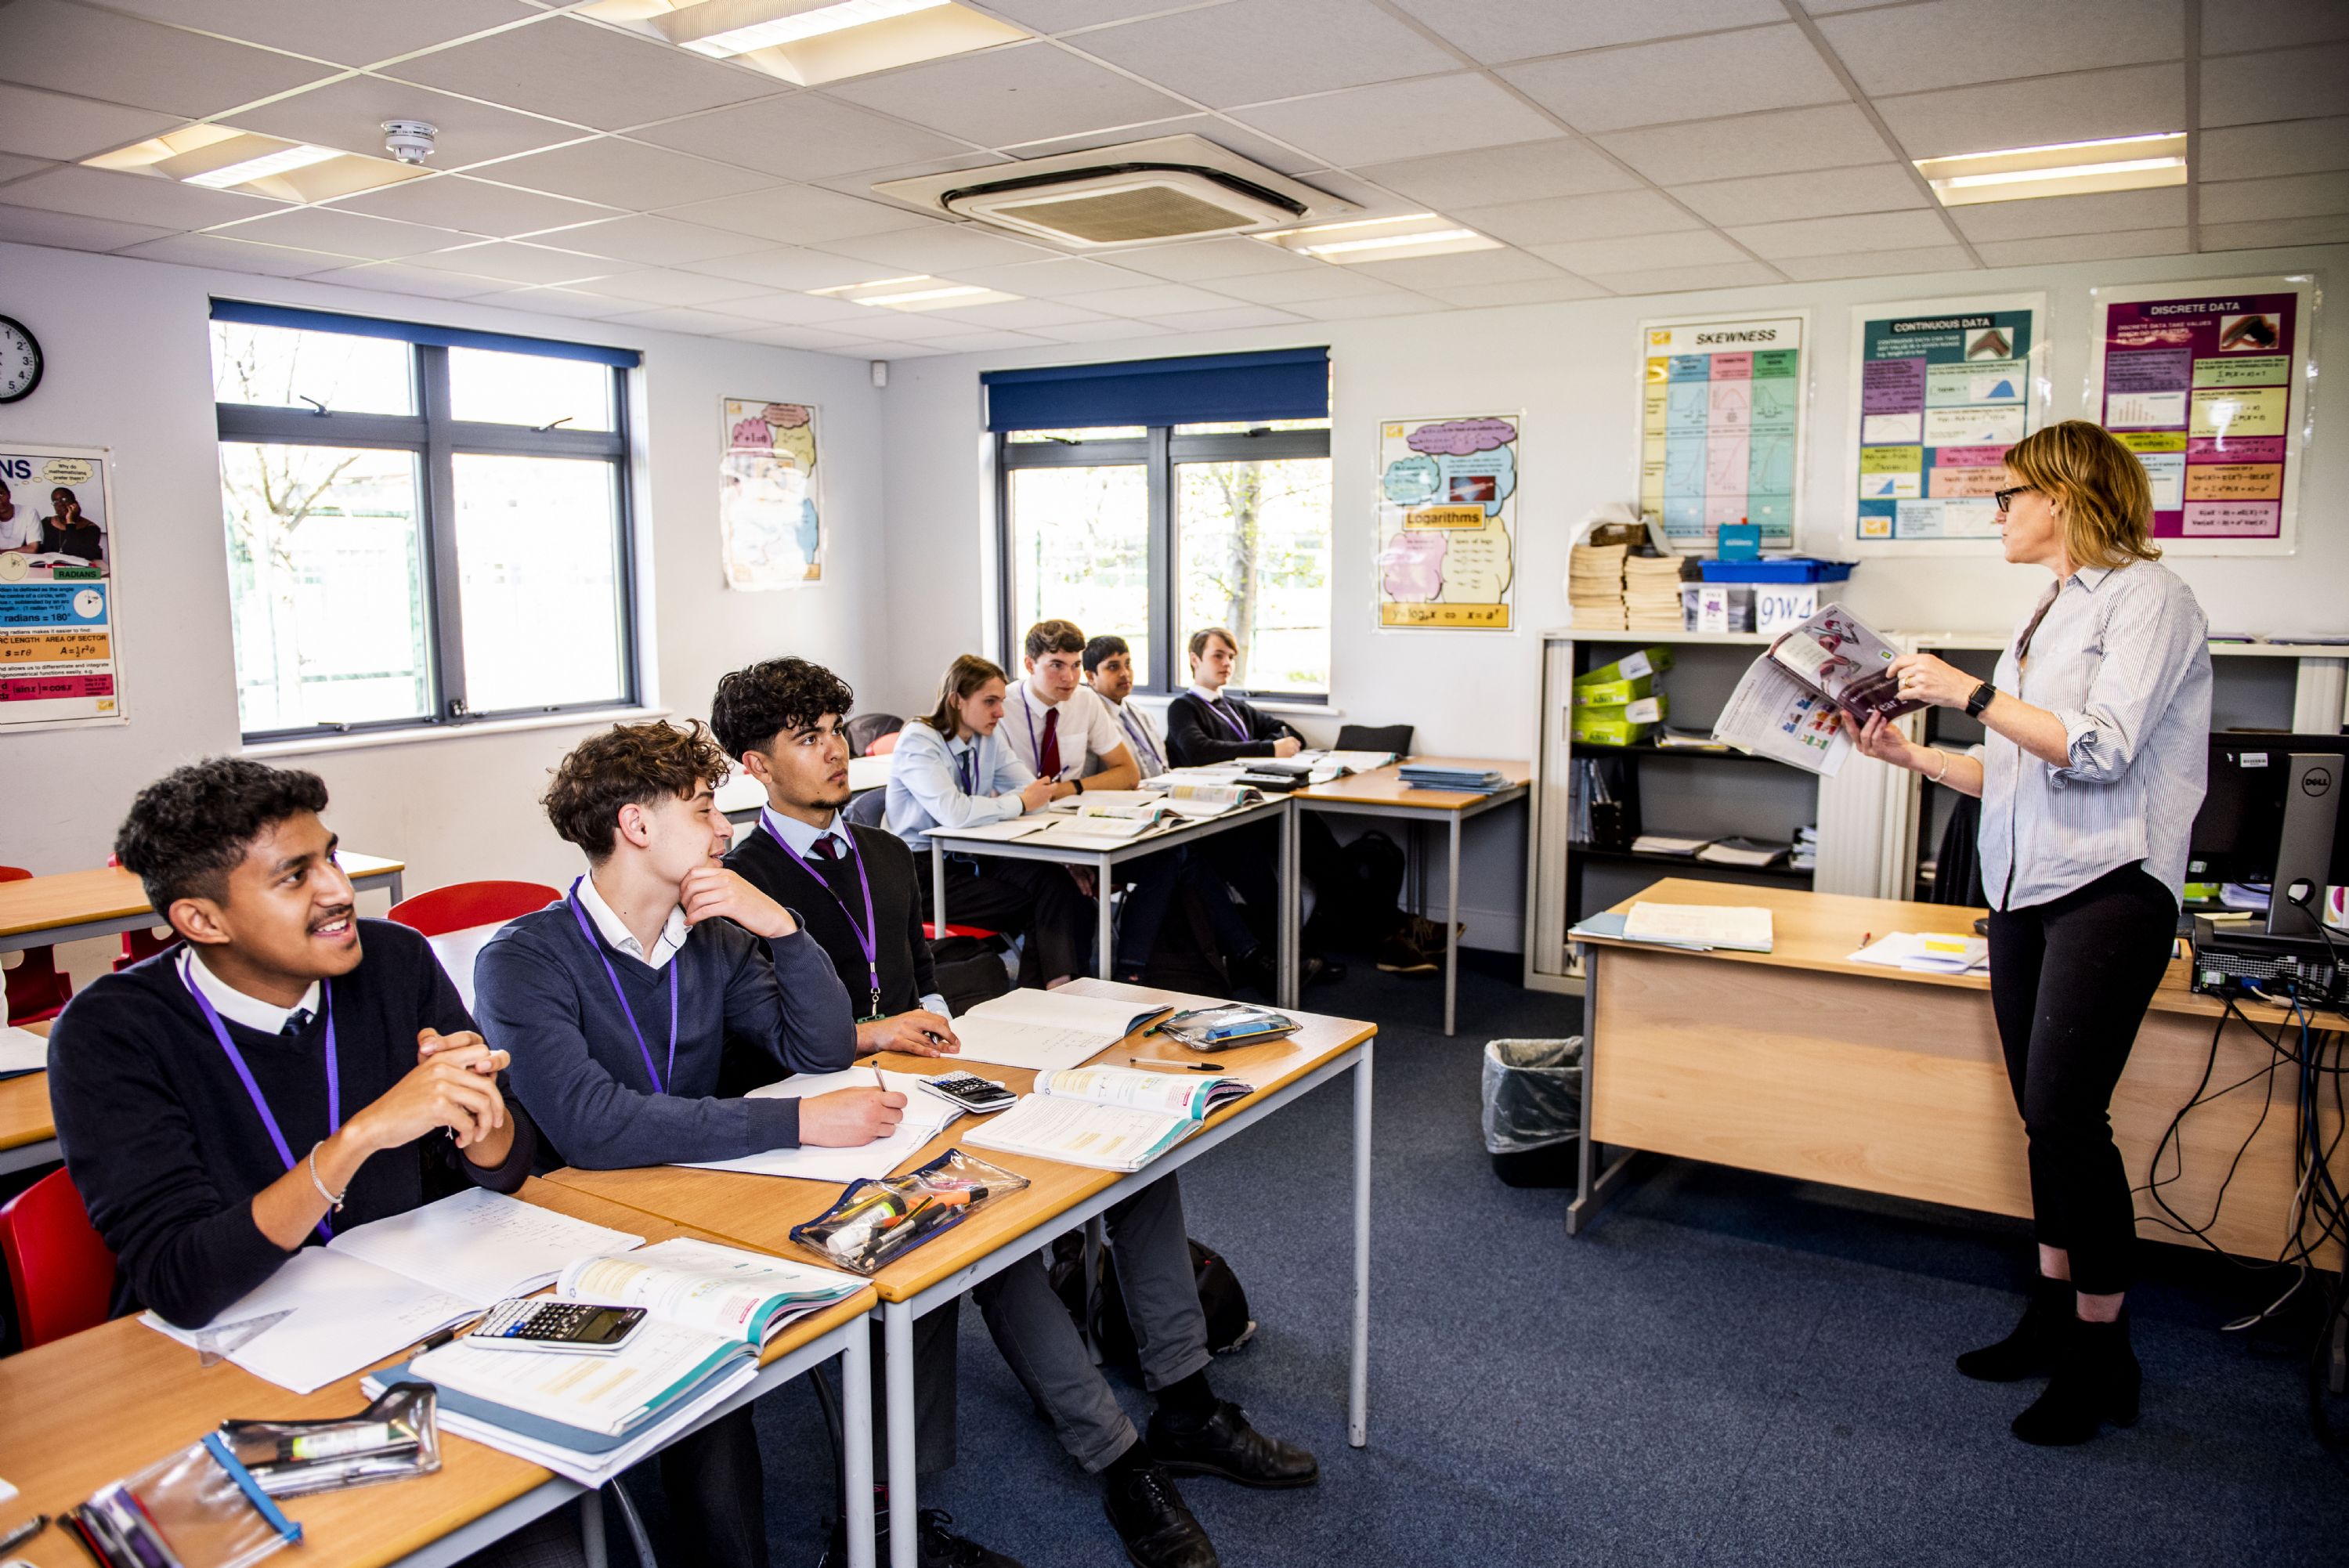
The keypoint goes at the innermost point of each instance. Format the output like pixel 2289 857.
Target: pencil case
pixel 875 1222
pixel 198 1508
pixel 396 1437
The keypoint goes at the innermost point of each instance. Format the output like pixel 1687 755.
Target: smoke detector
pixel 1141 193
pixel 409 140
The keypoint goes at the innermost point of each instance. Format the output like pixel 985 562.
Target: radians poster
pixel 1943 390
pixel 57 654
pixel 2205 388
pixel 769 496
pixel 1721 429
pixel 1448 522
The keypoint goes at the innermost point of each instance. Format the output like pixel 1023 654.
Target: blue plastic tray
pixel 1800 569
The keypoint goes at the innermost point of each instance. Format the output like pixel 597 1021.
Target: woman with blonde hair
pixel 2096 722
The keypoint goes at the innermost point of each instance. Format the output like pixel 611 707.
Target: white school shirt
pixel 236 1006
pixel 615 931
pixel 1087 729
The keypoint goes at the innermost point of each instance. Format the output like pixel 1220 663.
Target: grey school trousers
pixel 1040 1341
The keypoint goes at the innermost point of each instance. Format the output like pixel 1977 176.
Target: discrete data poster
pixel 1720 428
pixel 1940 390
pixel 2207 384
pixel 1448 522
pixel 58 572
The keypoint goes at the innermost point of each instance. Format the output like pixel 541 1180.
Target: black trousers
pixel 1021 898
pixel 2069 982
pixel 1250 859
pixel 717 1493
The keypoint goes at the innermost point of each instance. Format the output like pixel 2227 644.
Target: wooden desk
pixel 90 1408
pixel 71 906
pixel 1801 1063
pixel 28 1132
pixel 1383 793
pixel 758 1211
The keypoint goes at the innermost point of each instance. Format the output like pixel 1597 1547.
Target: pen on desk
pixel 24 1533
pixel 1179 1066
pixel 1866 937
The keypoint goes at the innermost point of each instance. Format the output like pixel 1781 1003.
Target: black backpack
pixel 1229 1326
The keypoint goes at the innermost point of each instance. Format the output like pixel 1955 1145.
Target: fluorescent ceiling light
pixel 1400 239
pixel 2059 169
pixel 797 24
pixel 261 168
pixel 908 293
pixel 1389 242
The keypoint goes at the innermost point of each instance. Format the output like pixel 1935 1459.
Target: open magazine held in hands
pixel 1811 690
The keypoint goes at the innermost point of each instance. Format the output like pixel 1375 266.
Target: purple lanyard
pixel 1142 742
pixel 1035 746
pixel 630 1012
pixel 868 936
pixel 252 1089
pixel 1215 707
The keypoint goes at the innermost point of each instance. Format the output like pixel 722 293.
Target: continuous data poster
pixel 1941 389
pixel 57 578
pixel 1720 428
pixel 2207 384
pixel 1448 522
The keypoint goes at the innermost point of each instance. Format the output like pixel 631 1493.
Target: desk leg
pixel 1105 961
pixel 591 1529
pixel 1358 1382
pixel 1591 1184
pixel 937 893
pixel 856 1443
pixel 1452 932
pixel 897 1343
pixel 398 887
pixel 1096 1238
pixel 1291 896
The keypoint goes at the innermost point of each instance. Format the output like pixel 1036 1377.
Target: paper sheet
pixel 22 1051
pixel 1009 828
pixel 481 1247
pixel 1925 953
pixel 346 1313
pixel 925 1114
pixel 1741 926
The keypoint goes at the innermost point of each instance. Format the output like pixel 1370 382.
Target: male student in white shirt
pixel 1058 727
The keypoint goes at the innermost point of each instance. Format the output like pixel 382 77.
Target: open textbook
pixel 1047 1030
pixel 925 1114
pixel 1799 702
pixel 1111 1119
pixel 379 1288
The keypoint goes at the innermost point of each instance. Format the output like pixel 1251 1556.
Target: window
pixel 425 527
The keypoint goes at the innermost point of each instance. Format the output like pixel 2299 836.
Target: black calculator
pixel 971 1093
pixel 539 1324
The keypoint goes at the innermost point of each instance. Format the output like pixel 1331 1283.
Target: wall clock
pixel 20 360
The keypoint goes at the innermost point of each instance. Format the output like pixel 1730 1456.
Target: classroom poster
pixel 57 654
pixel 1940 390
pixel 2208 384
pixel 1448 522
pixel 1720 428
pixel 770 495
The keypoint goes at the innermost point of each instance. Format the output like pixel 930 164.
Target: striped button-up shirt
pixel 2121 655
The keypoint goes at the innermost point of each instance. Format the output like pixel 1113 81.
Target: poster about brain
pixel 2207 384
pixel 1720 428
pixel 769 496
pixel 1448 522
pixel 58 579
pixel 1941 389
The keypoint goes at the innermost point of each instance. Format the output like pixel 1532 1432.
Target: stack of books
pixel 1651 593
pixel 1438 776
pixel 1594 587
pixel 1805 855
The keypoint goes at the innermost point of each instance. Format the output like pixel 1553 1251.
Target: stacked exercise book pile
pixel 1594 586
pixel 1651 593
pixel 1439 776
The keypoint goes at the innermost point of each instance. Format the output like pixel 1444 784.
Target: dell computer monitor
pixel 2240 832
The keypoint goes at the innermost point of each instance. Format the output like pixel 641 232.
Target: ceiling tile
pixel 983 342
pixel 1401 119
pixel 888 351
pixel 2289 84
pixel 349 114
pixel 882 325
pixel 1227 319
pixel 1682 280
pixel 2286 147
pixel 551 301
pixel 651 242
pixel 1503 266
pixel 1213 128
pixel 2229 26
pixel 798 215
pixel 1878 264
pixel 937 247
pixel 624 174
pixel 1286 47
pixel 810 337
pixel 1782 141
pixel 1949 43
pixel 349 31
pixel 1024 314
pixel 2285 196
pixel 803 136
pixel 134 198
pixel 14 167
pixel 1318 280
pixel 1060 15
pixel 1607 215
pixel 788 267
pixel 344 233
pixel 1394 302
pixel 1593 257
pixel 1819 193
pixel 475 206
pixel 789 308
pixel 1102 331
pixel 1536 290
pixel 1151 299
pixel 399 277
pixel 2046 215
pixel 1055 279
pixel 661 285
pixel 2259 236
pixel 1557 166
pixel 1020 92
pixel 700 322
pixel 863 181
pixel 1204 261
pixel 43 43
pixel 577 71
pixel 65 231
pixel 1834 236
pixel 1498 30
pixel 2131 100
pixel 51 125
pixel 514 264
pixel 1649 84
pixel 2084 247
pixel 236 256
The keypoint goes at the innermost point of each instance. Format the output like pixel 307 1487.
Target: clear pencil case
pixel 397 1437
pixel 874 1224
pixel 198 1508
pixel 1231 1024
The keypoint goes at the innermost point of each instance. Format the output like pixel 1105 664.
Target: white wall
pixel 129 367
pixel 1572 369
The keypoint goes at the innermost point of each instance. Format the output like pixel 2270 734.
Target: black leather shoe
pixel 1153 1521
pixel 2031 1350
pixel 936 1546
pixel 2097 1380
pixel 1225 1445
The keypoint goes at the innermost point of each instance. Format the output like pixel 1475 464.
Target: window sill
pixel 310 746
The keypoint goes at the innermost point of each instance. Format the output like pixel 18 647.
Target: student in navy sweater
pixel 284 1071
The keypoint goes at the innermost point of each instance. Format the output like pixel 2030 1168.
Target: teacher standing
pixel 2091 770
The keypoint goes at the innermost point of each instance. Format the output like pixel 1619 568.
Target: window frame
pixel 435 438
pixel 1159 451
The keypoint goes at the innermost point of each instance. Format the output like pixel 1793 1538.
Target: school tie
pixel 1048 758
pixel 827 848
pixel 295 1021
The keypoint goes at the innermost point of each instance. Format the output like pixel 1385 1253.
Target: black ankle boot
pixel 2098 1380
pixel 2031 1350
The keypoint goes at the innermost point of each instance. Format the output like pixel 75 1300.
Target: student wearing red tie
pixel 1061 729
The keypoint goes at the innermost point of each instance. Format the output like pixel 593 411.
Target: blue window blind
pixel 416 332
pixel 1284 384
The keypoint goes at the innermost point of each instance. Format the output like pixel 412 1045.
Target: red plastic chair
pixel 61 1272
pixel 38 988
pixel 463 906
pixel 141 946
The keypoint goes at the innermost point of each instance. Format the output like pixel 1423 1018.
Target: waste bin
pixel 1533 1110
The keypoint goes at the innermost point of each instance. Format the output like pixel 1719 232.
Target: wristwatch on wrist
pixel 1079 784
pixel 1980 699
